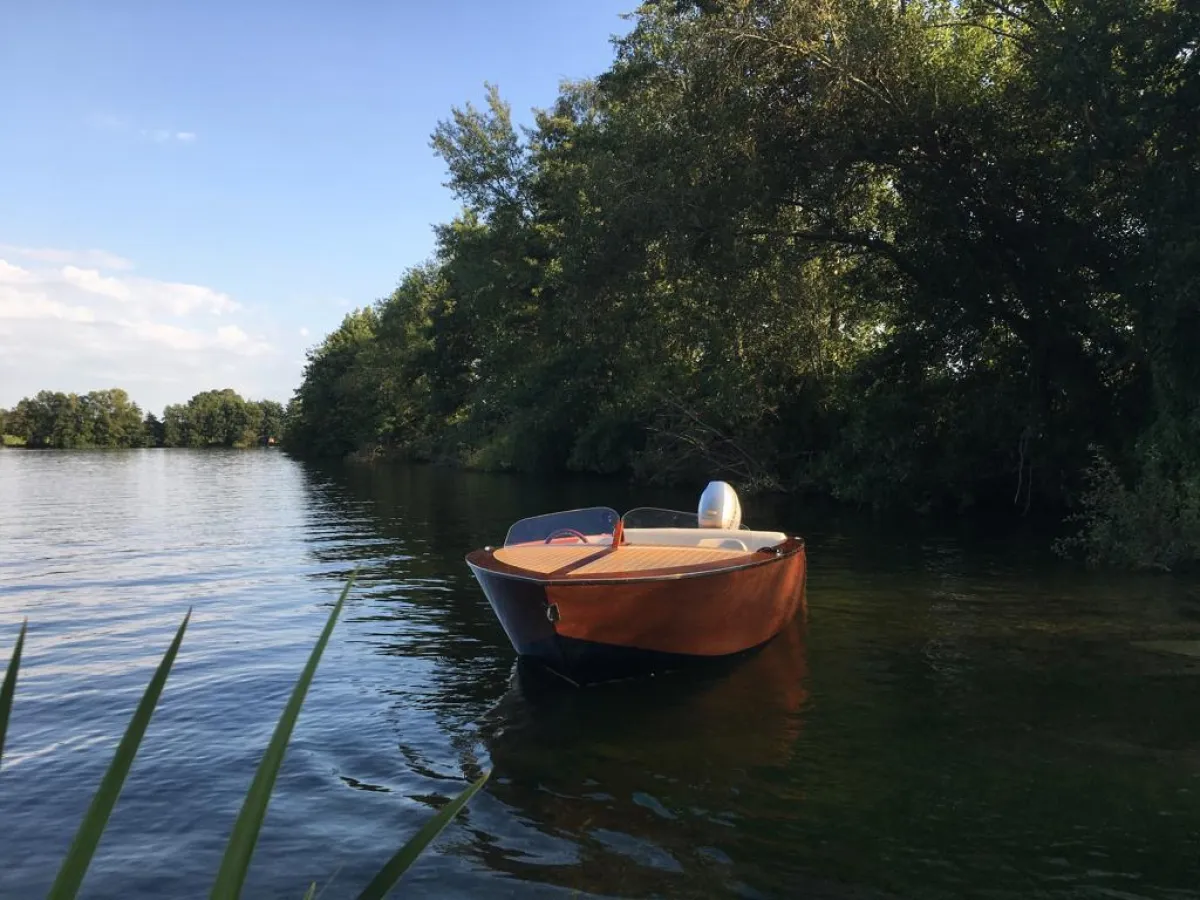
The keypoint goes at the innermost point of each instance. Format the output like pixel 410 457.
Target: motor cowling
pixel 720 507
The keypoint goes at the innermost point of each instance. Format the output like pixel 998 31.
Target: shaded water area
pixel 960 716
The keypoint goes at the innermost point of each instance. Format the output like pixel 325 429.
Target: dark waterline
pixel 962 716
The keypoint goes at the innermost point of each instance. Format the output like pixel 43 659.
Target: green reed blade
pixel 236 862
pixel 10 685
pixel 311 892
pixel 79 856
pixel 407 855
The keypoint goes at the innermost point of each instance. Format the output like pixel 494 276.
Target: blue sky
pixel 193 194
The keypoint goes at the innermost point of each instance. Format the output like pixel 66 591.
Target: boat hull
pixel 598 629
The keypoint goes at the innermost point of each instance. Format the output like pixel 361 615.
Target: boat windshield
pixel 575 525
pixel 653 517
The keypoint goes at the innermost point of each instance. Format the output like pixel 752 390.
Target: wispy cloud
pixel 97 259
pixel 166 136
pixel 103 121
pixel 107 122
pixel 70 327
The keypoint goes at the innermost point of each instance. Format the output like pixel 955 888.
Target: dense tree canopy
pixel 107 419
pixel 221 419
pixel 335 410
pixel 914 253
pixel 70 421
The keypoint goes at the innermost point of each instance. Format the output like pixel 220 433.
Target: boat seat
pixel 740 538
pixel 723 544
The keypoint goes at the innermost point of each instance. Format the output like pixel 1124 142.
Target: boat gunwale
pixel 485 559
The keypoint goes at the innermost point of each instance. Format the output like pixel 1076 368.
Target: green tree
pixel 899 253
pixel 220 418
pixel 153 431
pixel 335 409
pixel 176 428
pixel 270 427
pixel 115 420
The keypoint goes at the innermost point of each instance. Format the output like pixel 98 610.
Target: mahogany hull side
pixel 710 616
pixel 599 629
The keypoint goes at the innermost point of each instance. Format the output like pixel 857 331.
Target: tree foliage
pixel 221 419
pixel 336 409
pixel 69 421
pixel 918 253
pixel 108 419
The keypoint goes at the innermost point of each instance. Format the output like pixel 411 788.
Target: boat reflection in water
pixel 644 786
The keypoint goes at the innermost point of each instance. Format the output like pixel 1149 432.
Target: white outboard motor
pixel 720 507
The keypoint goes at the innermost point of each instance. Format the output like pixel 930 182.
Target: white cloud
pixel 17 304
pixel 96 259
pixel 167 296
pixel 182 299
pixel 233 337
pixel 147 294
pixel 10 274
pixel 185 137
pixel 71 328
pixel 93 282
pixel 166 335
pixel 303 332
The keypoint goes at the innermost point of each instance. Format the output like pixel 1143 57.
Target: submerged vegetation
pixel 110 420
pixel 906 253
pixel 238 852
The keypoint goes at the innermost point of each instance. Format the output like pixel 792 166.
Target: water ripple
pixel 950 723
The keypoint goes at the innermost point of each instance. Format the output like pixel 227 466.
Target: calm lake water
pixel 960 716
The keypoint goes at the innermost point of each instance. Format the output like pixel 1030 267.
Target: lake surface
pixel 960 716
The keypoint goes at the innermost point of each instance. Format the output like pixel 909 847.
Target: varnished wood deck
pixel 542 560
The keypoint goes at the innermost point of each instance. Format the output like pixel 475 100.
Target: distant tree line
pixel 109 419
pixel 221 418
pixel 932 254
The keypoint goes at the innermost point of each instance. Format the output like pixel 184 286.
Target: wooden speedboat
pixel 592 595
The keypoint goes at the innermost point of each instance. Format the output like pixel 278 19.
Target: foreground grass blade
pixel 75 864
pixel 236 862
pixel 407 855
pixel 10 685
